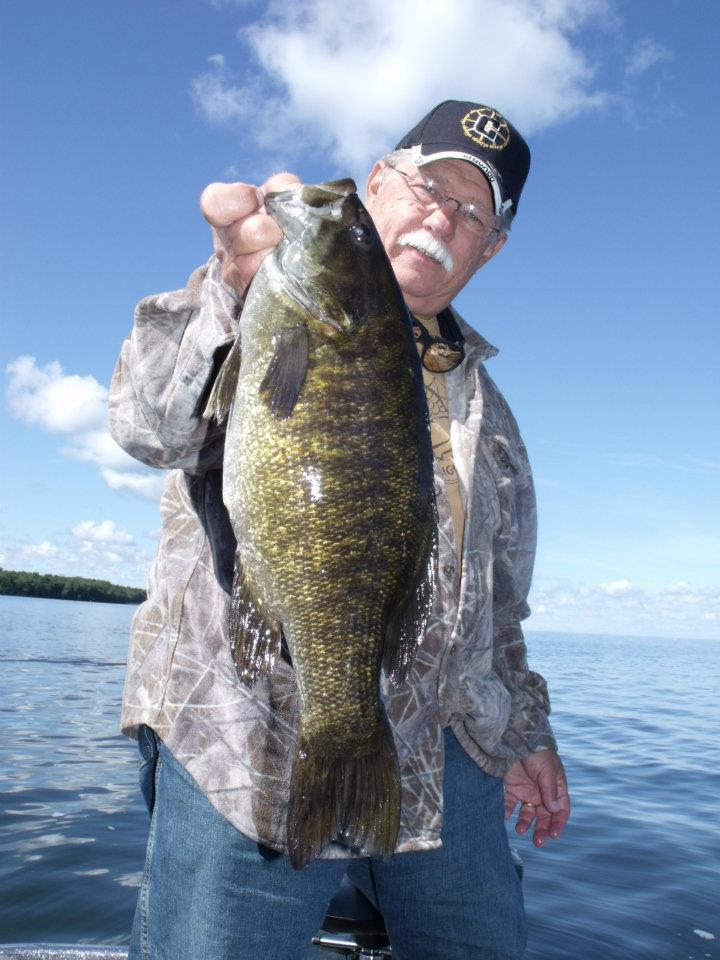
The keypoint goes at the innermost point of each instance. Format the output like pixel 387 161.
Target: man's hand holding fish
pixel 243 232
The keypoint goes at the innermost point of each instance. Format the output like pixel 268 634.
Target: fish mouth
pixel 323 199
pixel 430 246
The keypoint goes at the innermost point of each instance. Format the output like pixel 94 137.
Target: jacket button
pixel 452 648
pixel 448 569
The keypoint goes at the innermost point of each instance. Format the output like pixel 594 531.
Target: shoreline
pixel 50 586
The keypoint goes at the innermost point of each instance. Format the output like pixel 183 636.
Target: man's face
pixel 428 284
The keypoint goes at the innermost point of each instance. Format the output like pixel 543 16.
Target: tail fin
pixel 354 798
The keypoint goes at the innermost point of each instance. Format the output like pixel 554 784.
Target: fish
pixel 328 482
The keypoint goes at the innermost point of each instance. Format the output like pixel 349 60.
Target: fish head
pixel 331 256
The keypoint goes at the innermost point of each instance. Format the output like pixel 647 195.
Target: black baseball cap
pixel 461 130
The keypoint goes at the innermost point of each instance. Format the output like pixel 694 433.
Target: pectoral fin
pixel 223 391
pixel 285 374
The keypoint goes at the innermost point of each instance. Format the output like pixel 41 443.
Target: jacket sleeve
pixel 528 729
pixel 166 366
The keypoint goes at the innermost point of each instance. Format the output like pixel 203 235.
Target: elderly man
pixel 215 755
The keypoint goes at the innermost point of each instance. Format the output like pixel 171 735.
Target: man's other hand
pixel 243 233
pixel 539 785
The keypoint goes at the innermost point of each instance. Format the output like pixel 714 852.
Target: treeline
pixel 22 583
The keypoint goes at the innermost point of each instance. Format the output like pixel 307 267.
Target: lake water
pixel 634 875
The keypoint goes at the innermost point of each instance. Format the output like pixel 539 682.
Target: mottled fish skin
pixel 333 507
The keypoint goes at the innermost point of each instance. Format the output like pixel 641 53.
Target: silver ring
pixel 527 804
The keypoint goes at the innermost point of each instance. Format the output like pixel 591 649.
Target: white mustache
pixel 432 247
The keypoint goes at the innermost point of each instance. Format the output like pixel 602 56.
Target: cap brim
pixel 428 152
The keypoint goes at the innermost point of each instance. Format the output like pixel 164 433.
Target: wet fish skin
pixel 329 485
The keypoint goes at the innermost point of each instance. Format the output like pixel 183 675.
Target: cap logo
pixel 486 127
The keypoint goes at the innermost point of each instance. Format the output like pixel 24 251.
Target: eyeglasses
pixel 428 193
pixel 438 354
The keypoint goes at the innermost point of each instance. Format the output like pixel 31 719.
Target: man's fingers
pixel 552 783
pixel 525 817
pixel 257 233
pixel 546 824
pixel 542 826
pixel 240 271
pixel 243 247
pixel 556 802
pixel 223 203
pixel 547 782
pixel 279 181
pixel 543 820
pixel 557 825
pixel 561 816
pixel 243 233
pixel 248 236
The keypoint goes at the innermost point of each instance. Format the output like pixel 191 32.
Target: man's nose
pixel 441 220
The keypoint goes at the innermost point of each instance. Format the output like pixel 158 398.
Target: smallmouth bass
pixel 328 480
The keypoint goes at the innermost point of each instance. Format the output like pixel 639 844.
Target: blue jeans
pixel 210 893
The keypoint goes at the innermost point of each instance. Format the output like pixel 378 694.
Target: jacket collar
pixel 451 324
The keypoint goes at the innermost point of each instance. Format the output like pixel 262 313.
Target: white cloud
pixel 675 609
pixel 43 549
pixel 679 588
pixel 217 98
pixel 327 71
pixel 104 532
pixel 98 447
pixel 101 550
pixel 219 4
pixel 615 587
pixel 76 406
pixel 687 463
pixel 645 54
pixel 147 485
pixel 46 397
pixel 97 556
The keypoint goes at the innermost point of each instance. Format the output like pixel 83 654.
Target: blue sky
pixel 603 304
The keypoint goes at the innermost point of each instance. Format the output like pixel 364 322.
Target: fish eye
pixel 361 233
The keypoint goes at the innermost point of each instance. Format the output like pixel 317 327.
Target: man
pixel 217 884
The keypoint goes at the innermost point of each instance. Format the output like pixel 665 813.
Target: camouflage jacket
pixel 471 670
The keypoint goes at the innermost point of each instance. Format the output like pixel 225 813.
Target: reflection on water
pixel 634 875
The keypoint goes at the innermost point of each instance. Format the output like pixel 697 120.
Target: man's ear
pixel 372 184
pixel 495 248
